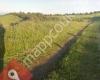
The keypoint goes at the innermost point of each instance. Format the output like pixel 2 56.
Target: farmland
pixel 28 33
pixel 83 59
pixel 20 33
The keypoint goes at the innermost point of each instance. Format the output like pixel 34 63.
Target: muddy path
pixel 42 70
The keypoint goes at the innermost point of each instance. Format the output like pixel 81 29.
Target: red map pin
pixel 15 71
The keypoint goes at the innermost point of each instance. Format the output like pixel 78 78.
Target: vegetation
pixel 82 61
pixel 22 32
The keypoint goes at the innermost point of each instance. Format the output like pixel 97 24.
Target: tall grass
pixel 82 61
pixel 26 34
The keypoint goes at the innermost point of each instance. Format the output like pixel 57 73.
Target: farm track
pixel 48 65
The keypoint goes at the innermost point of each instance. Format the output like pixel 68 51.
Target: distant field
pixel 82 62
pixel 25 32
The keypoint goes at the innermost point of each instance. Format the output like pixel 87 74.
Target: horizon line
pixel 2 13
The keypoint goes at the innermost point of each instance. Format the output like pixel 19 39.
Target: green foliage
pixel 23 34
pixel 83 59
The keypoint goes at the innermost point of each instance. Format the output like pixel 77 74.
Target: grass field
pixel 20 33
pixel 82 62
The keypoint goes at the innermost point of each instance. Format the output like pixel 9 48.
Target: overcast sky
pixel 49 6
